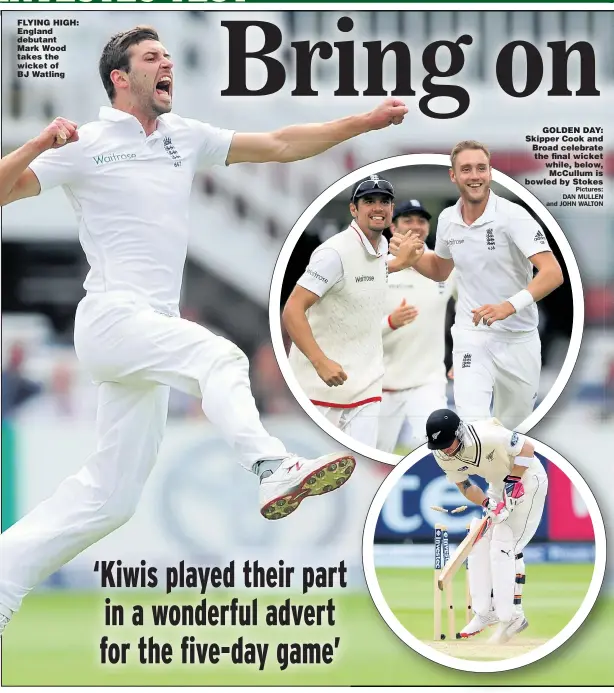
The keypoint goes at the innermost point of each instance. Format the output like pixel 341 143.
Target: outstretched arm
pixel 304 141
pixel 17 181
pixel 433 267
pixel 429 264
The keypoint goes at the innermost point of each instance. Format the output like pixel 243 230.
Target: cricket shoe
pixel 508 629
pixel 3 622
pixel 297 477
pixel 478 624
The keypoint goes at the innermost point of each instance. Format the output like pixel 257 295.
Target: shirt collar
pixel 114 115
pixel 382 247
pixel 487 216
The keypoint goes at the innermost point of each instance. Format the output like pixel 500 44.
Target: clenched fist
pixel 389 112
pixel 330 372
pixel 58 133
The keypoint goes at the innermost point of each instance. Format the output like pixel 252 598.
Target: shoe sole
pixel 523 626
pixel 506 638
pixel 327 478
pixel 466 636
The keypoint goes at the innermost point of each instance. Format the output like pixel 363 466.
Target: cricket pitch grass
pixel 470 649
pixel 552 595
pixel 54 639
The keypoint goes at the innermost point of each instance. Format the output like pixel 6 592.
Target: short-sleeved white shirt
pixel 131 196
pixel 325 268
pixel 491 258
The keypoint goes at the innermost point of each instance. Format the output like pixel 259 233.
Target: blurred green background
pixel 54 640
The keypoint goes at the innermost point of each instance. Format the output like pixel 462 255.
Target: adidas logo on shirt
pixel 540 238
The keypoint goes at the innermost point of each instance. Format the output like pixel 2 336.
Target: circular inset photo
pixel 485 552
pixel 417 283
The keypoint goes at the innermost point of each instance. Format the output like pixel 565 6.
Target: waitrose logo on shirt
pixel 111 158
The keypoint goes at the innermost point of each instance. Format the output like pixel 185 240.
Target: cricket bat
pixel 461 553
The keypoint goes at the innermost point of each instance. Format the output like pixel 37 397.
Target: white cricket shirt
pixel 491 258
pixel 350 276
pixel 414 354
pixel 488 450
pixel 325 268
pixel 131 196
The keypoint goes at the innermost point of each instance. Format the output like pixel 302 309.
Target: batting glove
pixel 514 491
pixel 496 510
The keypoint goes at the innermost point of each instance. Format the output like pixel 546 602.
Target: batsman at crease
pixel 514 502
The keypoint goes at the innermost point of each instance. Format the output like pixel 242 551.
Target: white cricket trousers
pixel 504 368
pixel 360 423
pixel 134 354
pixel 492 563
pixel 412 405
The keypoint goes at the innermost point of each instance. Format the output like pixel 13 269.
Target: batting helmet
pixel 441 428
